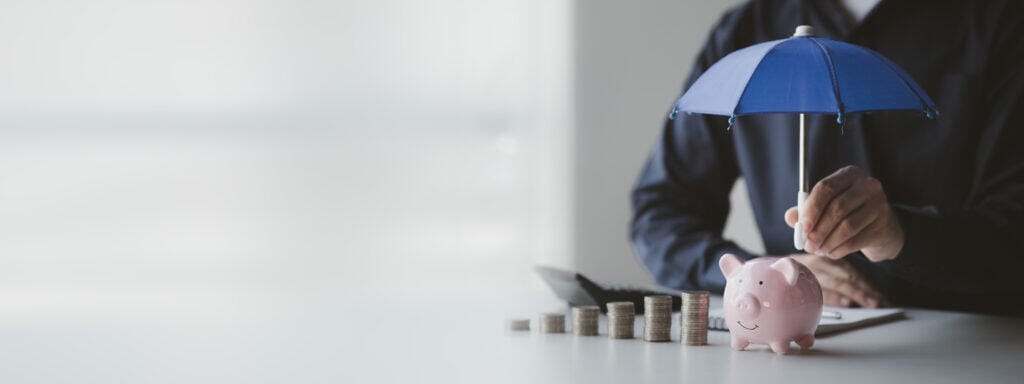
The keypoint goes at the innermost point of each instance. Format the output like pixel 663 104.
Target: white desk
pixel 450 341
pixel 928 346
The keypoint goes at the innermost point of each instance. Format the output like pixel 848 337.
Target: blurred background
pixel 195 157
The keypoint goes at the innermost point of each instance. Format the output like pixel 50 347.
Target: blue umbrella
pixel 803 74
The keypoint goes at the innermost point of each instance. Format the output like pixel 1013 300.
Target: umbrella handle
pixel 799 236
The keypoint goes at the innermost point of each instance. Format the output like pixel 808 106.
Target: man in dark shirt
pixel 906 210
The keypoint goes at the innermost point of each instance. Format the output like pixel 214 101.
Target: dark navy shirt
pixel 955 182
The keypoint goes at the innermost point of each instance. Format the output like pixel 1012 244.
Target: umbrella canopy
pixel 804 74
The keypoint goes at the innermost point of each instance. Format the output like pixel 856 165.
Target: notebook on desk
pixel 849 318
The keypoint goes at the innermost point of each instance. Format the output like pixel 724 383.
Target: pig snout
pixel 747 306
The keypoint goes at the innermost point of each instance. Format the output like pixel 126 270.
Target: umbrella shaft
pixel 803 155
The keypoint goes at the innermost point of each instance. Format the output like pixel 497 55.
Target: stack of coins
pixel 552 323
pixel 584 320
pixel 657 318
pixel 621 315
pixel 519 325
pixel 693 319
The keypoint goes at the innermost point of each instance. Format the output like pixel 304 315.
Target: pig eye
pixel 760 283
pixel 741 280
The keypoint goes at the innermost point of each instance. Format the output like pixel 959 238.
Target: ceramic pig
pixel 770 300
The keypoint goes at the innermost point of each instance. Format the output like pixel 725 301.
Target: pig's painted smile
pixel 745 327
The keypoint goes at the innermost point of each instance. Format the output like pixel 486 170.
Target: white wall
pixel 631 60
pixel 192 155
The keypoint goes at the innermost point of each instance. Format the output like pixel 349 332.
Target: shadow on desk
pixel 924 333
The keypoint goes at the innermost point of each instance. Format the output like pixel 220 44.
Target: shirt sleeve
pixel 681 200
pixel 980 248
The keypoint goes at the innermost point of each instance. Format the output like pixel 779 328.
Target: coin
pixel 657 318
pixel 693 318
pixel 584 320
pixel 519 325
pixel 552 323
pixel 621 319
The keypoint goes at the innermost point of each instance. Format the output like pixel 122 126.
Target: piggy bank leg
pixel 805 341
pixel 779 347
pixel 739 344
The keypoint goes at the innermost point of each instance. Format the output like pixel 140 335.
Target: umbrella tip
pixel 804 31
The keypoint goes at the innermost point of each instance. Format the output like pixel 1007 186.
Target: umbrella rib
pixel 835 79
pixel 747 85
pixel 924 104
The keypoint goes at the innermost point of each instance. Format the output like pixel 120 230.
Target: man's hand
pixel 841 284
pixel 848 212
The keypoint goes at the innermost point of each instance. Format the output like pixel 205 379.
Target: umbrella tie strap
pixel 672 115
pixel 732 119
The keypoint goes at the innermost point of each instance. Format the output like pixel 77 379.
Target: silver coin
pixel 552 323
pixel 621 326
pixel 519 325
pixel 621 307
pixel 693 318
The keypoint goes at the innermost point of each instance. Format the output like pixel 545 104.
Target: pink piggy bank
pixel 770 300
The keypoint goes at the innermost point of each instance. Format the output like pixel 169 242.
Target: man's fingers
pixel 842 280
pixel 834 299
pixel 835 211
pixel 823 192
pixel 859 293
pixel 846 281
pixel 851 226
pixel 829 272
pixel 791 217
pixel 824 265
pixel 855 243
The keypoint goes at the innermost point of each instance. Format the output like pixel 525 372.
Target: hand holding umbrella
pixel 846 212
pixel 803 74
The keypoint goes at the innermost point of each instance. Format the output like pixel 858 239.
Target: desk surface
pixel 928 346
pixel 452 341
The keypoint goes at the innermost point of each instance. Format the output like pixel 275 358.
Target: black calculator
pixel 578 290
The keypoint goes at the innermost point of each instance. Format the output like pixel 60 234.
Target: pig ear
pixel 788 268
pixel 730 264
